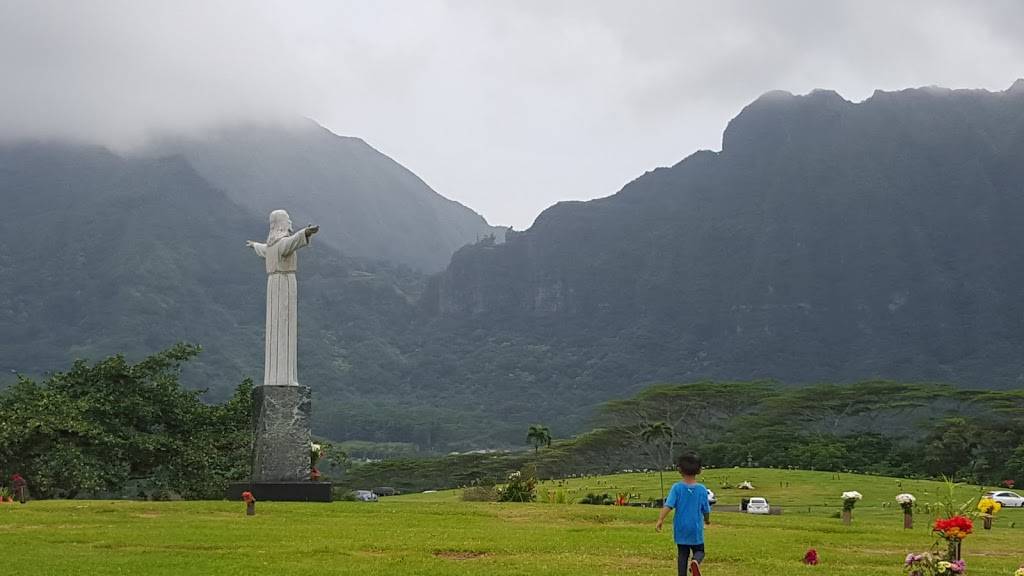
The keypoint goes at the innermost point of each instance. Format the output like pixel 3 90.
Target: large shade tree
pixel 118 428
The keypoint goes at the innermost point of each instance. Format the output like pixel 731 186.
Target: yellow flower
pixel 989 506
pixel 944 565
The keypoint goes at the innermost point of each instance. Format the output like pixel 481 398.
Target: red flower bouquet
pixel 811 558
pixel 955 528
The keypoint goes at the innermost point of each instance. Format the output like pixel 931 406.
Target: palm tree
pixel 658 435
pixel 538 435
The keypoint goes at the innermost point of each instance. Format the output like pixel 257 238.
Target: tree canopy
pixel 121 429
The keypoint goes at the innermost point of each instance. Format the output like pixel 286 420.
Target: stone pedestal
pixel 282 434
pixel 280 458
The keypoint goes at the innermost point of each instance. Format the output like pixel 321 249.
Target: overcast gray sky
pixel 505 106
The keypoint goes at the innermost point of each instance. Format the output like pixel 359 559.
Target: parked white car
pixel 1007 498
pixel 366 496
pixel 758 506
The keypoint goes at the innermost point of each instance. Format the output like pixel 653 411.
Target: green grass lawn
pixel 439 534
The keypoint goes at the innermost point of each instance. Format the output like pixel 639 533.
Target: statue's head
pixel 280 226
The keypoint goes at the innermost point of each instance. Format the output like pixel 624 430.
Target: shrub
pixel 597 499
pixel 521 487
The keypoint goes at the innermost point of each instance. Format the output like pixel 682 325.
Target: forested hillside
pixel 876 427
pixel 828 241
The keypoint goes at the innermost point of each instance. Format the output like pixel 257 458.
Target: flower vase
pixel 908 521
pixel 250 508
pixel 988 522
pixel 954 550
pixel 847 516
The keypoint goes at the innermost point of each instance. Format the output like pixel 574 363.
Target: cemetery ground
pixel 438 533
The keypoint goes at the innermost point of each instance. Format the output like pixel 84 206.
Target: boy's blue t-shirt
pixel 690 503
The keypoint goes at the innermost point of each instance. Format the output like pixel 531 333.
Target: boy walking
pixel 690 501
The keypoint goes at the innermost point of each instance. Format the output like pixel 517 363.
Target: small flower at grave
pixel 929 564
pixel 811 557
pixel 906 501
pixel 850 499
pixel 989 507
pixel 1008 484
pixel 1020 571
pixel 247 497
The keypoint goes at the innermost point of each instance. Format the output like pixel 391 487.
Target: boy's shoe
pixel 694 568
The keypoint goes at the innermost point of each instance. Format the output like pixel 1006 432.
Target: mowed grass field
pixel 439 534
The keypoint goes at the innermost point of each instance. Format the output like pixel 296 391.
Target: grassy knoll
pixel 438 534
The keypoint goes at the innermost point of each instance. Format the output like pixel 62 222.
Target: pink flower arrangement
pixel 811 558
pixel 928 564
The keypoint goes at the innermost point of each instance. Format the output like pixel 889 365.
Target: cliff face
pixel 827 240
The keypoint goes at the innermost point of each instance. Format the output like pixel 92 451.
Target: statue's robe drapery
pixel 279 358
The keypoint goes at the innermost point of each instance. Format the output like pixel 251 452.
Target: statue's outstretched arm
pixel 260 248
pixel 297 240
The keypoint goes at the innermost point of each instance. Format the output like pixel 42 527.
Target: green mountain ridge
pixel 828 241
pixel 368 205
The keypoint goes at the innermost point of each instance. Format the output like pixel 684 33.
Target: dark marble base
pixel 281 450
pixel 282 491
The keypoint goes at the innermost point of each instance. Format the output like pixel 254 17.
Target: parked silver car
pixel 366 496
pixel 1006 498
pixel 758 506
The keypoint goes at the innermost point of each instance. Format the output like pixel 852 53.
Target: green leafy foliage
pixel 520 486
pixel 117 428
pixel 538 435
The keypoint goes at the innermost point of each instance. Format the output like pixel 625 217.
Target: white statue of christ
pixel 279 254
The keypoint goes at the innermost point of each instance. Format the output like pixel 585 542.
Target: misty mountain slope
pixel 368 204
pixel 102 254
pixel 828 240
pixel 105 254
